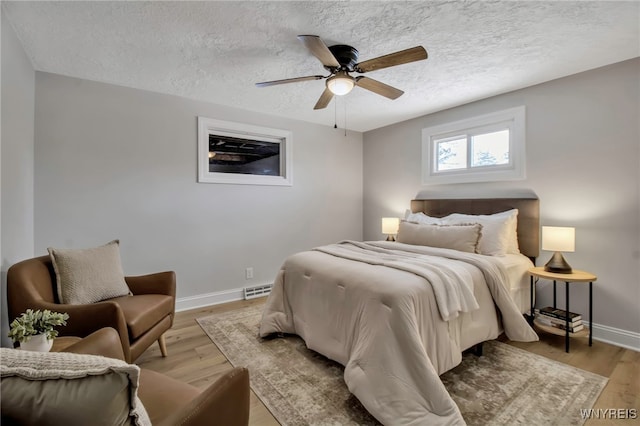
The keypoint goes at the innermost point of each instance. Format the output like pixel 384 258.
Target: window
pixel 481 149
pixel 243 154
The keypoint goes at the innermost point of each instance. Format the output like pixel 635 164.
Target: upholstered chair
pixel 103 385
pixel 140 318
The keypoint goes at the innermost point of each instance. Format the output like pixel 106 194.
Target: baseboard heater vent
pixel 257 291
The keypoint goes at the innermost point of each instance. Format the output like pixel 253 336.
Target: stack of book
pixel 556 318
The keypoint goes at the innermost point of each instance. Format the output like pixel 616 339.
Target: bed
pixel 528 234
pixel 397 315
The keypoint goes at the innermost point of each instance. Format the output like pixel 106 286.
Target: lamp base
pixel 390 238
pixel 557 264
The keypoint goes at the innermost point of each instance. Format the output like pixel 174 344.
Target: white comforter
pixel 383 310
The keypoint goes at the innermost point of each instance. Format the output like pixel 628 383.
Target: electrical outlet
pixel 248 273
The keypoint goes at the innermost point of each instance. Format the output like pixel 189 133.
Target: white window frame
pixel 208 126
pixel 512 119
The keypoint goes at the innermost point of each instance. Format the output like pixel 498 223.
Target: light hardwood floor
pixel 193 358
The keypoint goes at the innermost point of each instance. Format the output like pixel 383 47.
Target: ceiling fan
pixel 340 60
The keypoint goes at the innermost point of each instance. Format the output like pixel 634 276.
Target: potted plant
pixel 35 329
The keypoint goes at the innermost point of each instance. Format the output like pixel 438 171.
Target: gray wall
pixel 114 162
pixel 16 153
pixel 582 147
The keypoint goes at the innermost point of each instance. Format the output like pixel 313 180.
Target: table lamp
pixel 558 239
pixel 390 227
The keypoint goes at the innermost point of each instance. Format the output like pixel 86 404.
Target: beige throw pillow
pixel 456 237
pixel 88 275
pixel 60 388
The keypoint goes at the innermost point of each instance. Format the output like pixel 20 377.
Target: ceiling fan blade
pixel 319 50
pixel 377 87
pixel 417 53
pixel 290 80
pixel 324 100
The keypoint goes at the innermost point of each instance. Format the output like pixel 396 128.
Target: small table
pixel 575 276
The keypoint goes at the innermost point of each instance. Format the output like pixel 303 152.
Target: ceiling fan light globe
pixel 340 84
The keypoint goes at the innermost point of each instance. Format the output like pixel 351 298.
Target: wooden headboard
pixel 528 215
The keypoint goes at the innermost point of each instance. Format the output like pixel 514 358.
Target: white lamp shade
pixel 390 225
pixel 340 85
pixel 558 238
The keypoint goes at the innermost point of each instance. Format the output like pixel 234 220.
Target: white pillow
pixel 462 237
pixel 499 231
pixel 512 215
pixel 422 218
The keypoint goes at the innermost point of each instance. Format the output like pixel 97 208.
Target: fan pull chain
pixel 345 118
pixel 335 114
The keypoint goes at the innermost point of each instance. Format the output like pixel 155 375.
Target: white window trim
pixel 207 126
pixel 514 171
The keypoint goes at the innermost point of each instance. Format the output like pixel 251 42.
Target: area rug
pixel 505 386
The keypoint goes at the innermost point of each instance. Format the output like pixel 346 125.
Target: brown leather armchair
pixel 170 402
pixel 140 319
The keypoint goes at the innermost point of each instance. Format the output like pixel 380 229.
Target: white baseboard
pixel 617 337
pixel 208 299
pixel 602 333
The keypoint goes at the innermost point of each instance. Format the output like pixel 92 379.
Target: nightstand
pixel 575 277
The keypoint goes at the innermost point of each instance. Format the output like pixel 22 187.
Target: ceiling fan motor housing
pixel 347 56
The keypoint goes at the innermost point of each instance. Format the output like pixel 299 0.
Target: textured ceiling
pixel 216 51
